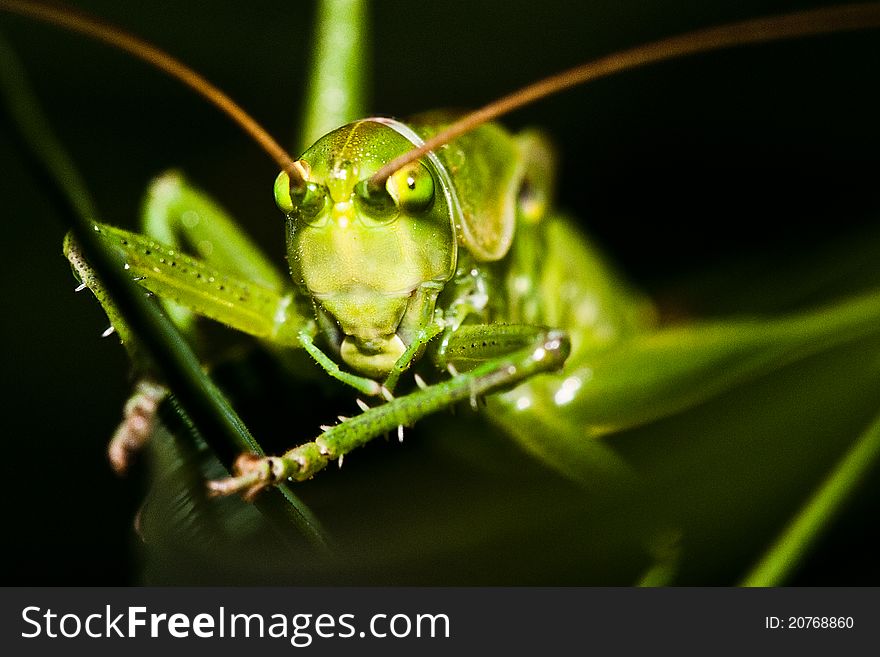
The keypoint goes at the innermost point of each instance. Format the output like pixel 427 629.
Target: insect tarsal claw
pixel 252 473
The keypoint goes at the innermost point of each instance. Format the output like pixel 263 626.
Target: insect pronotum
pixel 589 115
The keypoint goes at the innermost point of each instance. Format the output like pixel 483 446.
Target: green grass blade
pixel 165 347
pixel 783 557
pixel 335 93
pixel 663 372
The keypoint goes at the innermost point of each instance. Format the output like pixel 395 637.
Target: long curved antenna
pixel 774 28
pixel 92 27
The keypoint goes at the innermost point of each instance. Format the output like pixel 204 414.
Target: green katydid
pixel 377 324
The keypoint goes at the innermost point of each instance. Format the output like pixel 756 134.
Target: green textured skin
pixel 377 280
pixel 486 166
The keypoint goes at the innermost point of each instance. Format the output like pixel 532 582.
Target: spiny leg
pixel 177 214
pixel 250 307
pixel 139 413
pixel 253 308
pixel 546 352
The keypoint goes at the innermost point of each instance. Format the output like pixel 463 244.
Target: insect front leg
pixel 139 412
pixel 537 351
pixel 178 214
pixel 192 285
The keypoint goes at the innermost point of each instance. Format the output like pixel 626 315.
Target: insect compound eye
pixel 376 206
pixel 308 203
pixel 305 204
pixel 412 187
pixel 282 193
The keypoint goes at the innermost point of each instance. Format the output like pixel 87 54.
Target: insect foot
pixel 253 473
pixel 138 420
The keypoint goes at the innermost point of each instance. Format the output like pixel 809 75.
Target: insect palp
pixel 386 393
pixel 420 382
pixel 343 418
pixel 362 404
pixel 80 287
pixel 110 330
pixel 400 433
pixel 451 369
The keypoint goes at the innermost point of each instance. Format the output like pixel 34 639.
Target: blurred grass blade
pixel 777 565
pixel 660 373
pixel 168 351
pixel 337 76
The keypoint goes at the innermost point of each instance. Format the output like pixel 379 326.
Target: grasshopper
pixel 457 261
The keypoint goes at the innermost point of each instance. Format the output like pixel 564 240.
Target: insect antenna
pixel 753 31
pixel 82 23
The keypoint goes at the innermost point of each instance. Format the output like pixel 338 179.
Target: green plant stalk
pixel 176 363
pixel 794 543
pixel 337 74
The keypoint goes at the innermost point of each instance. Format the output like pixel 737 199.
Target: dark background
pixel 719 167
